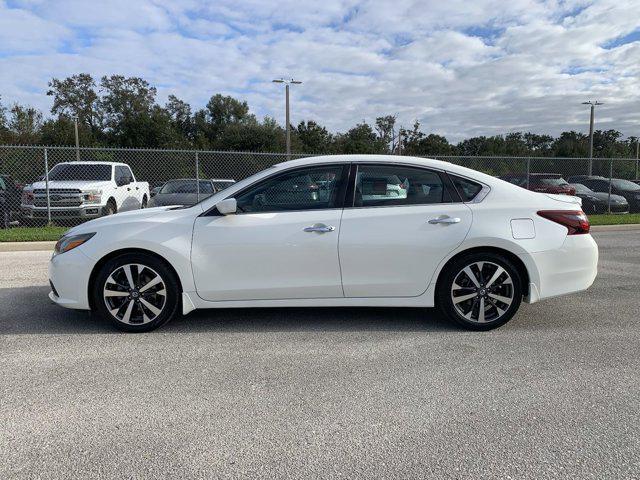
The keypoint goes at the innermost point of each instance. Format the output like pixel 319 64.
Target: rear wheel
pixel 480 291
pixel 136 292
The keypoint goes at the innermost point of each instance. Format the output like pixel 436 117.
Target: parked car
pixel 84 190
pixel 184 192
pixel 619 186
pixel 222 183
pixel 637 181
pixel 9 200
pixel 598 202
pixel 541 182
pixel 475 246
pixel 579 178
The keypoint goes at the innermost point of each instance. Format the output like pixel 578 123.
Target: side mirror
pixel 227 206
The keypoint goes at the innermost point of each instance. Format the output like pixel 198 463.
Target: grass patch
pixel 31 234
pixel 614 219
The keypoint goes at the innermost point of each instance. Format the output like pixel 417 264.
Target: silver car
pixel 184 191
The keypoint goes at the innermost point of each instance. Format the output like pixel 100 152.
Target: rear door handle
pixel 444 219
pixel 320 228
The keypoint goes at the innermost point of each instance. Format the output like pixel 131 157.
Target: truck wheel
pixel 144 202
pixel 110 208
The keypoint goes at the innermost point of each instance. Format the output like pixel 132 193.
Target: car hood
pixel 79 184
pixel 121 217
pixel 605 197
pixel 161 199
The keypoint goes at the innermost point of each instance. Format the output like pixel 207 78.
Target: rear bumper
pixel 569 269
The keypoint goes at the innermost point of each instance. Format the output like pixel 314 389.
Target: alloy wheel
pixel 482 292
pixel 135 294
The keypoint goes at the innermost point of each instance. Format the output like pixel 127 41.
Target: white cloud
pixel 462 68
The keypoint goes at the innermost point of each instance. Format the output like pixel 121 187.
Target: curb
pixel 26 246
pixel 48 246
pixel 616 228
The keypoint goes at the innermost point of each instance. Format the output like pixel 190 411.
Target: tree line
pixel 119 111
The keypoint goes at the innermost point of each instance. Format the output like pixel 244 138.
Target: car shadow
pixel 27 310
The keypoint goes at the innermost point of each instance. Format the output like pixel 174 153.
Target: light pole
pixel 75 125
pixel 286 89
pixel 593 108
pixel 637 156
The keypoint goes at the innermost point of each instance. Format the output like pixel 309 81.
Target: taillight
pixel 575 220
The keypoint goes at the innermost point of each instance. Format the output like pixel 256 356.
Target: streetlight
pixel 593 108
pixel 75 124
pixel 287 83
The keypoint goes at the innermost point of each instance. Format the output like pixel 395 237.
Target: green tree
pixel 360 139
pixel 76 96
pixel 24 125
pixel 312 138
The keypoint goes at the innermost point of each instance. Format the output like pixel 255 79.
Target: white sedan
pixel 470 244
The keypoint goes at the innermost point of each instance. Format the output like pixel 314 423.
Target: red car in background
pixel 541 182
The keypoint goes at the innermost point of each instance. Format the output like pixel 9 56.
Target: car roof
pixel 398 159
pixel 119 164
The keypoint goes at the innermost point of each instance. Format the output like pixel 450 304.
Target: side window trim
pixel 340 194
pixel 444 177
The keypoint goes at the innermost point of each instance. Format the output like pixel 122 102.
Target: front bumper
pixel 88 211
pixel 69 276
pixel 569 269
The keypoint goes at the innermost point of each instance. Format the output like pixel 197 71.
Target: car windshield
pixel 582 188
pixel 186 186
pixel 81 171
pixel 552 182
pixel 625 185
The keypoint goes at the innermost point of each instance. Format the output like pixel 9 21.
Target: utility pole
pixel 287 117
pixel 637 156
pixel 593 108
pixel 75 124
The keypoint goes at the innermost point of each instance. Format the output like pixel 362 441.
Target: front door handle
pixel 444 219
pixel 320 228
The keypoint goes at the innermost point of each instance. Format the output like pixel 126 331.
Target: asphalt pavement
pixel 324 393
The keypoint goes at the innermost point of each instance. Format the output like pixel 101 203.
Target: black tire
pixel 110 208
pixel 453 271
pixel 169 310
pixel 144 202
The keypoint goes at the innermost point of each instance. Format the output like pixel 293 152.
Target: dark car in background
pixel 598 202
pixel 184 191
pixel 619 186
pixel 10 193
pixel 541 182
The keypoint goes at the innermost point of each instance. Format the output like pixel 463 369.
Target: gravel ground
pixel 324 393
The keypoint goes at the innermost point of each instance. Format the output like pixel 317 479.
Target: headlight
pixel 27 198
pixel 92 196
pixel 69 243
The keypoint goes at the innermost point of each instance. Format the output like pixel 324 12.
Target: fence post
pixel 46 185
pixel 610 180
pixel 528 171
pixel 197 178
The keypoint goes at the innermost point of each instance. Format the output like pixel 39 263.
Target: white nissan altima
pixel 357 230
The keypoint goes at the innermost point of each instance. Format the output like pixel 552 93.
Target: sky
pixel 461 67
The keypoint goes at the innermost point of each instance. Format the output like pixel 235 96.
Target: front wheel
pixel 136 292
pixel 480 291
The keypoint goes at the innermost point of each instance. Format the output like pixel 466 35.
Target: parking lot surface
pixel 324 393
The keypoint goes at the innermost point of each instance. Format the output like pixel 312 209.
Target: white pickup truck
pixel 84 190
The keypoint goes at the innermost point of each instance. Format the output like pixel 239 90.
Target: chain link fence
pixel 65 185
